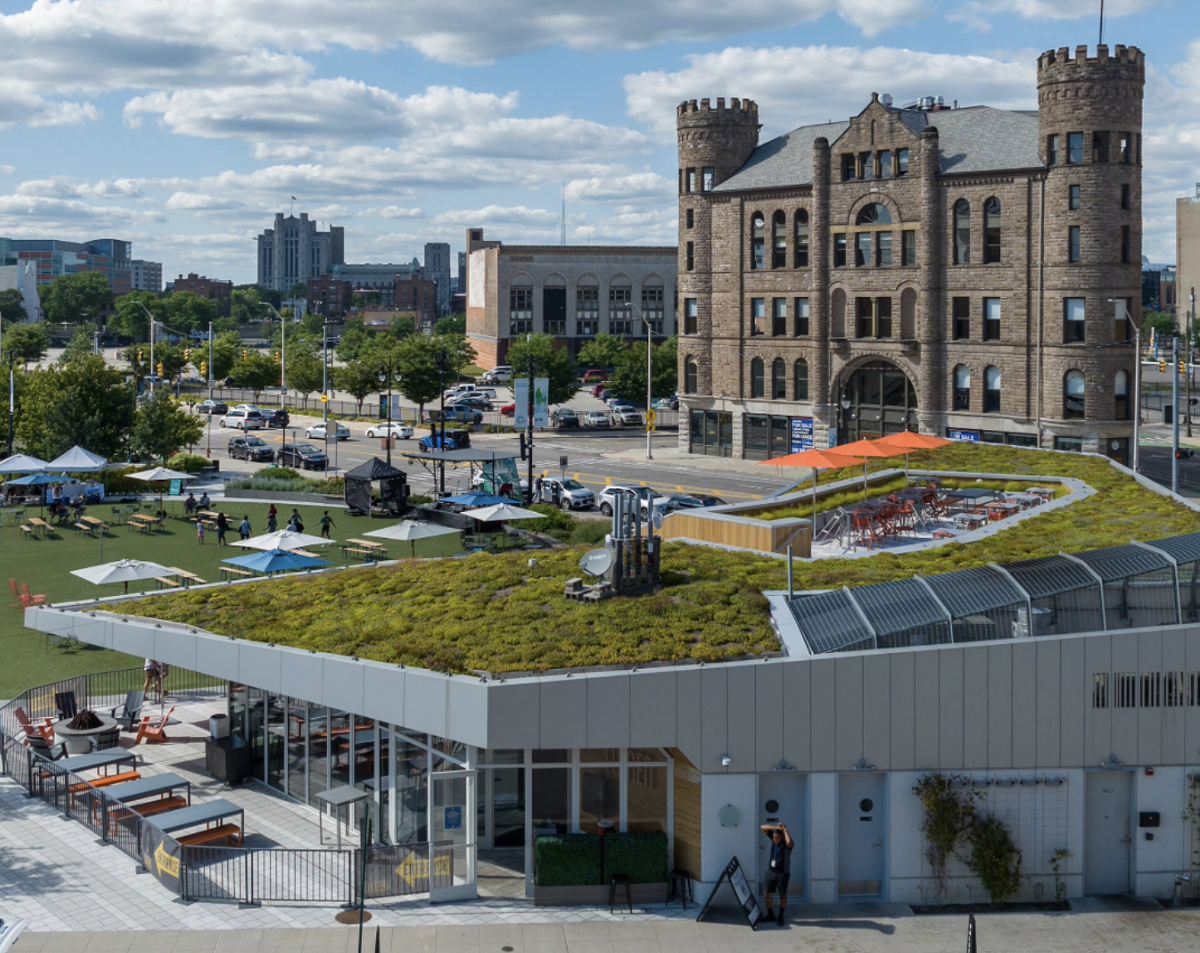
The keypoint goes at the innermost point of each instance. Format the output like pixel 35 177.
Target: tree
pixel 1163 323
pixel 161 426
pixel 298 290
pixel 131 320
pixel 263 293
pixel 305 371
pixel 354 338
pixel 421 375
pixel 225 324
pixel 451 324
pixel 400 328
pixel 28 343
pixel 628 379
pixel 358 378
pixel 168 358
pixel 548 361
pixel 12 306
pixel 190 312
pixel 603 351
pixel 226 351
pixel 82 344
pixel 75 298
pixel 84 402
pixel 257 372
pixel 245 306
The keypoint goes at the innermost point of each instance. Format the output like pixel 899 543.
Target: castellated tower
pixel 714 142
pixel 1090 125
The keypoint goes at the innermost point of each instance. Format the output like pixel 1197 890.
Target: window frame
pixel 758 240
pixel 839 249
pixel 758 316
pixel 991 395
pixel 1074 328
pixel 802 326
pixel 1052 148
pixel 1074 198
pixel 960 232
pixel 901 162
pixel 1121 406
pixel 691 256
pixel 862 249
pixel 992 325
pixel 757 383
pixel 883 249
pixel 779 317
pixel 1070 412
pixel 992 231
pixel 691 314
pixel 1074 245
pixel 849 166
pixel 864 324
pixel 1126 243
pixel 1074 148
pixel 779 379
pixel 960 318
pixel 800 379
pixel 691 375
pixel 801 236
pixel 779 239
pixel 961 398
pixel 707 178
pixel 908 248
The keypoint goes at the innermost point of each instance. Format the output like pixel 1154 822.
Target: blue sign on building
pixel 970 436
pixel 453 819
pixel 802 434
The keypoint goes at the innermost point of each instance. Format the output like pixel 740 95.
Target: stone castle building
pixel 969 272
pixel 295 249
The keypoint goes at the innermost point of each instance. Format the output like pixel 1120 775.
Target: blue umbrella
pixel 276 560
pixel 476 499
pixel 40 479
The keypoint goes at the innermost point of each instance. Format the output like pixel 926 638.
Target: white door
pixel 781 798
pixel 452 828
pixel 861 835
pixel 1108 824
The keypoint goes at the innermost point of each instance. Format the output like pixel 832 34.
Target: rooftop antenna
pixel 563 221
pixel 1101 22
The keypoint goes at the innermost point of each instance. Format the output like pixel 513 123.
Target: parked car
pixel 594 376
pixel 500 374
pixel 572 495
pixel 684 501
pixel 457 415
pixel 616 403
pixel 628 417
pixel 666 403
pixel 278 418
pixel 708 499
pixel 402 431
pixel 647 496
pixel 318 431
pixel 212 407
pixel 250 407
pixel 564 417
pixel 252 449
pixel 598 390
pixel 303 456
pixel 508 410
pixel 455 440
pixel 472 401
pixel 191 381
pixel 595 418
pixel 243 419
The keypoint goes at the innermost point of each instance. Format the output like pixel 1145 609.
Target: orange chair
pixel 29 599
pixel 45 732
pixel 154 733
pixel 12 585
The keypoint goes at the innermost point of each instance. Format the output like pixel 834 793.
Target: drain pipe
pixel 791 589
pixel 1041 302
pixel 1180 880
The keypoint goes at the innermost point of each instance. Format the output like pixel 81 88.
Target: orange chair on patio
pixel 24 597
pixel 862 529
pixel 45 732
pixel 154 733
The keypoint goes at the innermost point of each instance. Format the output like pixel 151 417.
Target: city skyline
pixel 405 129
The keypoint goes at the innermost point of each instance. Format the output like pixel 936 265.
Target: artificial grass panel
pixel 45 564
pixel 497 614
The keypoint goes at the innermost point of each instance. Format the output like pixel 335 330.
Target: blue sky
pixel 184 126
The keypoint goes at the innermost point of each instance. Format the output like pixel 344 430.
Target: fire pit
pixel 76 734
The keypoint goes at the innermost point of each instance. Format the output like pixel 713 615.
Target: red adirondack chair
pixel 154 731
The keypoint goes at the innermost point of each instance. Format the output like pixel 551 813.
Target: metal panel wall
pixel 1048 728
pixel 877 703
pixel 688 704
pixel 266 664
pixel 902 712
pixel 342 686
pixel 383 692
pixel 952 708
pixel 514 714
pixel 1192 723
pixel 714 723
pixel 1075 685
pixel 607 712
pixel 999 706
pixel 1124 720
pixel 563 713
pixel 652 706
pixel 927 708
pixel 848 711
pixel 302 673
pixel 1174 718
pixel 975 724
pixel 1024 710
pixel 1098 732
pixel 797 716
pixel 822 673
pixel 768 716
pixel 1150 720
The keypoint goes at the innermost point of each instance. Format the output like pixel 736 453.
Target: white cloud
pixel 846 77
pixel 390 211
pixel 7 169
pixel 619 188
pixel 497 215
pixel 977 14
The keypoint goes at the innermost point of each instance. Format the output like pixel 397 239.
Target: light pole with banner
pixel 387 373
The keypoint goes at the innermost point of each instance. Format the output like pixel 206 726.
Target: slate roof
pixel 974 139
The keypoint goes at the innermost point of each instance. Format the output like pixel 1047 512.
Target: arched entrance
pixel 876 399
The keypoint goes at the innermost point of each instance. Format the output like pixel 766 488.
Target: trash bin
pixel 1168 414
pixel 218 726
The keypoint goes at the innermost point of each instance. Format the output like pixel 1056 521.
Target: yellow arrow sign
pixel 651 416
pixel 166 863
pixel 650 428
pixel 324 398
pixel 414 868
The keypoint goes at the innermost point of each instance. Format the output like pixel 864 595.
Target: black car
pixel 302 456
pixel 213 408
pixel 564 417
pixel 708 499
pixel 253 449
pixel 277 418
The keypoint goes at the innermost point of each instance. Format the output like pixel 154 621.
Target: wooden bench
pixel 84 787
pixel 367 544
pixel 223 832
pixel 164 581
pixel 159 806
pixel 357 551
pixel 27 531
pixel 232 571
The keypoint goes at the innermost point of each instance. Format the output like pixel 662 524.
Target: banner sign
pixel 741 890
pixel 541 402
pixel 176 488
pixel 161 855
pixel 521 403
pixel 801 434
pixel 967 436
pixel 971 942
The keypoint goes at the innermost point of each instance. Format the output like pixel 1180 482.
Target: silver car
pixel 572 495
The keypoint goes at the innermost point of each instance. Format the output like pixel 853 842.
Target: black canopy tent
pixel 393 488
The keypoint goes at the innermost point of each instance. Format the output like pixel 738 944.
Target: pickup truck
pixel 455 440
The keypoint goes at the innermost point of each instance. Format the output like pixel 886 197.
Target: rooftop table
pixel 974 495
pixel 99 759
pixel 196 815
pixel 337 798
pixel 148 787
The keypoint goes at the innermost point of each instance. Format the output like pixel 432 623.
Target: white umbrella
pixel 160 474
pixel 22 463
pixel 502 512
pixel 284 539
pixel 78 460
pixel 123 570
pixel 409 531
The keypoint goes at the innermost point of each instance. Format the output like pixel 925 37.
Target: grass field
pixel 46 564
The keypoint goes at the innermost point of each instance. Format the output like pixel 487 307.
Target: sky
pixel 185 125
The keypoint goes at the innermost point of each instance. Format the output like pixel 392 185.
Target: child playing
pixel 200 532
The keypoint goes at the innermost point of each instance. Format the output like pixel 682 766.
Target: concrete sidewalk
pixel 1126 925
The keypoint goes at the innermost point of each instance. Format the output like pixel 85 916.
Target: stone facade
pixel 295 250
pixel 1187 257
pixel 873 265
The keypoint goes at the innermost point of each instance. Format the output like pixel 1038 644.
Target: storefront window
pixel 599 798
pixel 647 797
pixel 551 755
pixel 412 793
pixel 503 756
pixel 318 752
pixel 600 755
pixel 551 801
pixel 455 754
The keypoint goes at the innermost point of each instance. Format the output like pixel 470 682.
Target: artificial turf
pixel 46 564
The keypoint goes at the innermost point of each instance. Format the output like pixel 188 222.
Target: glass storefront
pixel 711 433
pixel 876 400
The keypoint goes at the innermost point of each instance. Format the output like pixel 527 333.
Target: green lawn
pixel 45 564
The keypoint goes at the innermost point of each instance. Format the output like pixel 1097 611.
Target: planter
pixel 319 498
pixel 595 895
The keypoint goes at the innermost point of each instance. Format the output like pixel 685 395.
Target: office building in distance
pixel 295 250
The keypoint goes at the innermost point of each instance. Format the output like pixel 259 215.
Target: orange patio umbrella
pixel 870 449
pixel 818 460
pixel 913 441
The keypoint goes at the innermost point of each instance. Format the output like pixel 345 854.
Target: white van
pixel 500 374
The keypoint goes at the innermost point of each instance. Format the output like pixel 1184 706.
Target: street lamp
pixel 153 366
pixel 12 358
pixel 387 372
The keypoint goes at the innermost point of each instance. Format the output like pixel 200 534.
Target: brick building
pixel 202 287
pixel 571 292
pixel 855 278
pixel 329 297
pixel 420 296
pixel 1187 255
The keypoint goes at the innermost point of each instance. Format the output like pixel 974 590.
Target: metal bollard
pixel 1180 880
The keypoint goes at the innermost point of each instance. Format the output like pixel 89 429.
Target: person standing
pixel 779 869
pixel 537 490
pixel 325 522
pixel 244 527
pixel 150 667
pixel 222 526
pixel 200 532
pixel 272 524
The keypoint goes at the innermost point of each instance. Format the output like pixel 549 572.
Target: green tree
pixel 246 306
pixel 75 298
pixel 358 378
pixel 628 379
pixel 305 371
pixel 257 372
pixel 263 293
pixel 225 324
pixel 451 324
pixel 168 358
pixel 298 290
pixel 311 324
pixel 83 402
pixel 131 320
pixel 603 351
pixel 226 351
pixel 1163 323
pixel 12 306
pixel 354 338
pixel 82 344
pixel 190 312
pixel 161 426
pixel 28 343
pixel 400 328
pixel 549 361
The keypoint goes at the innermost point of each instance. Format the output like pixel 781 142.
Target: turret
pixel 714 142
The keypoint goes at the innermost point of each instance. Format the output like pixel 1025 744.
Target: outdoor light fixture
pixel 726 761
pixel 863 766
pixel 1112 762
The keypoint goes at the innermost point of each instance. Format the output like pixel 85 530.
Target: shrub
pixel 589 532
pixel 995 858
pixel 642 856
pixel 417 499
pixel 558 524
pixel 333 486
pixel 568 860
pixel 187 462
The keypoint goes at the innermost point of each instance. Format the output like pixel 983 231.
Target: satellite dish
pixel 597 562
pixel 656 517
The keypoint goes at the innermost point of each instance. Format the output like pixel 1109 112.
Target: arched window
pixel 802 238
pixel 756 377
pixel 991 390
pixel 874 214
pixel 689 376
pixel 991 227
pixel 962 387
pixel 757 240
pixel 778 379
pixel 779 240
pixel 962 232
pixel 1074 394
pixel 1121 392
pixel 801 383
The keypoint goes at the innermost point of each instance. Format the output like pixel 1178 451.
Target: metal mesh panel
pixel 1189 590
pixel 1145 599
pixel 903 614
pixel 987 625
pixel 1118 562
pixel 1183 549
pixel 975 591
pixel 1075 611
pixel 829 622
pixel 1051 576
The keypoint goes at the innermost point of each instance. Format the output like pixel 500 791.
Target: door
pixel 1107 832
pixel 452 845
pixel 861 833
pixel 781 799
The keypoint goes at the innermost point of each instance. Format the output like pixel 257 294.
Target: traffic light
pixel 276 357
pixel 244 353
pixel 204 369
pixel 1162 367
pixel 139 357
pixel 1182 454
pixel 1183 367
pixel 187 355
pixel 160 369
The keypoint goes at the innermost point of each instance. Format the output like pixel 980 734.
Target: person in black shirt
pixel 779 870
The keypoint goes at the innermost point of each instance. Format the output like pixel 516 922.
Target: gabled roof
pixel 974 139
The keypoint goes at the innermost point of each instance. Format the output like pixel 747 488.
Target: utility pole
pixel 649 388
pixel 1175 415
pixel 153 366
pixel 442 418
pixel 1188 350
pixel 208 447
pixel 529 430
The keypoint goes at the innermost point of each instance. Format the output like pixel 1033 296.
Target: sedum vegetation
pixel 498 614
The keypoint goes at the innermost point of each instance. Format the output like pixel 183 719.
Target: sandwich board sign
pixel 741 890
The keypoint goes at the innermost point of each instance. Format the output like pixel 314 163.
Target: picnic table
pixel 1045 492
pixel 154 785
pixel 971 497
pixel 187 578
pixel 367 544
pixel 196 815
pixel 234 571
pixel 1025 499
pixel 98 759
pixel 337 798
pixel 1002 509
pixel 39 525
pixel 144 524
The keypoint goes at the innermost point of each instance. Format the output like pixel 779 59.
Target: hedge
pixel 568 860
pixel 642 856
